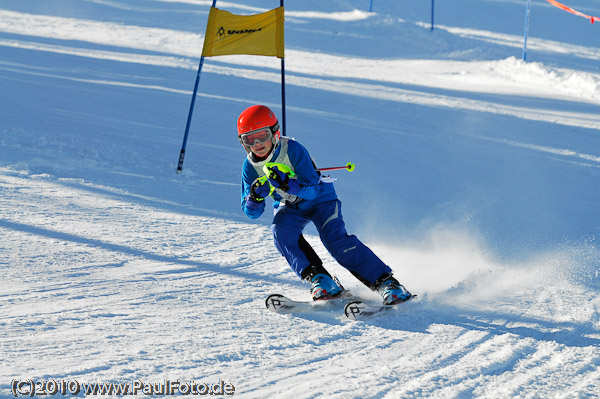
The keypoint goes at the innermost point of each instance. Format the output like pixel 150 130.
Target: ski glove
pixel 251 204
pixel 282 181
pixel 259 190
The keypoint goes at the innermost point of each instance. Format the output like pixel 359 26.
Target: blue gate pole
pixel 371 6
pixel 432 13
pixel 283 128
pixel 526 30
pixel 189 118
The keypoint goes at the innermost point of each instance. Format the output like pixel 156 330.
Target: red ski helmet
pixel 255 118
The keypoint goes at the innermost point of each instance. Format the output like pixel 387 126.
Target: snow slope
pixel 476 181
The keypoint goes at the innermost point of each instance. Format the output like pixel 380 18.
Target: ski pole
pixel 349 166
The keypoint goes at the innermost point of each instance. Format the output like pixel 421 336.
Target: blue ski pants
pixel 347 250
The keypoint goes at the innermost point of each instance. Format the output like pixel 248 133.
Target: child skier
pixel 282 168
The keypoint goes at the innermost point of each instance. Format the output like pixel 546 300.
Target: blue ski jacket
pixel 313 190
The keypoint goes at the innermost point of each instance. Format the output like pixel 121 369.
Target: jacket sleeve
pixel 248 177
pixel 308 177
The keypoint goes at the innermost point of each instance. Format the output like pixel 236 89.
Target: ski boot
pixel 323 286
pixel 392 292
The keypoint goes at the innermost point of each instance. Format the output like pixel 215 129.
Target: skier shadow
pixel 420 317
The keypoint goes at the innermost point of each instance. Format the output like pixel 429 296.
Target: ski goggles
pixel 260 136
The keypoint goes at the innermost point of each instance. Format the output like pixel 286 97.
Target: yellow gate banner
pixel 259 34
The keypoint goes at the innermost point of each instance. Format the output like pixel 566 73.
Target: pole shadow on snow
pixel 192 265
pixel 149 199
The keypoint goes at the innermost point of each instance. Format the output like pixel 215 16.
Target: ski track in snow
pixel 133 280
pixel 557 83
pixel 120 272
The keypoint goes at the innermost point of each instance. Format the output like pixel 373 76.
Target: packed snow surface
pixel 477 181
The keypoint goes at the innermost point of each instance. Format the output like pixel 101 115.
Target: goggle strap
pixel 275 128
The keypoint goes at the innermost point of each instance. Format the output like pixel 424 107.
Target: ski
pixel 281 304
pixel 357 310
